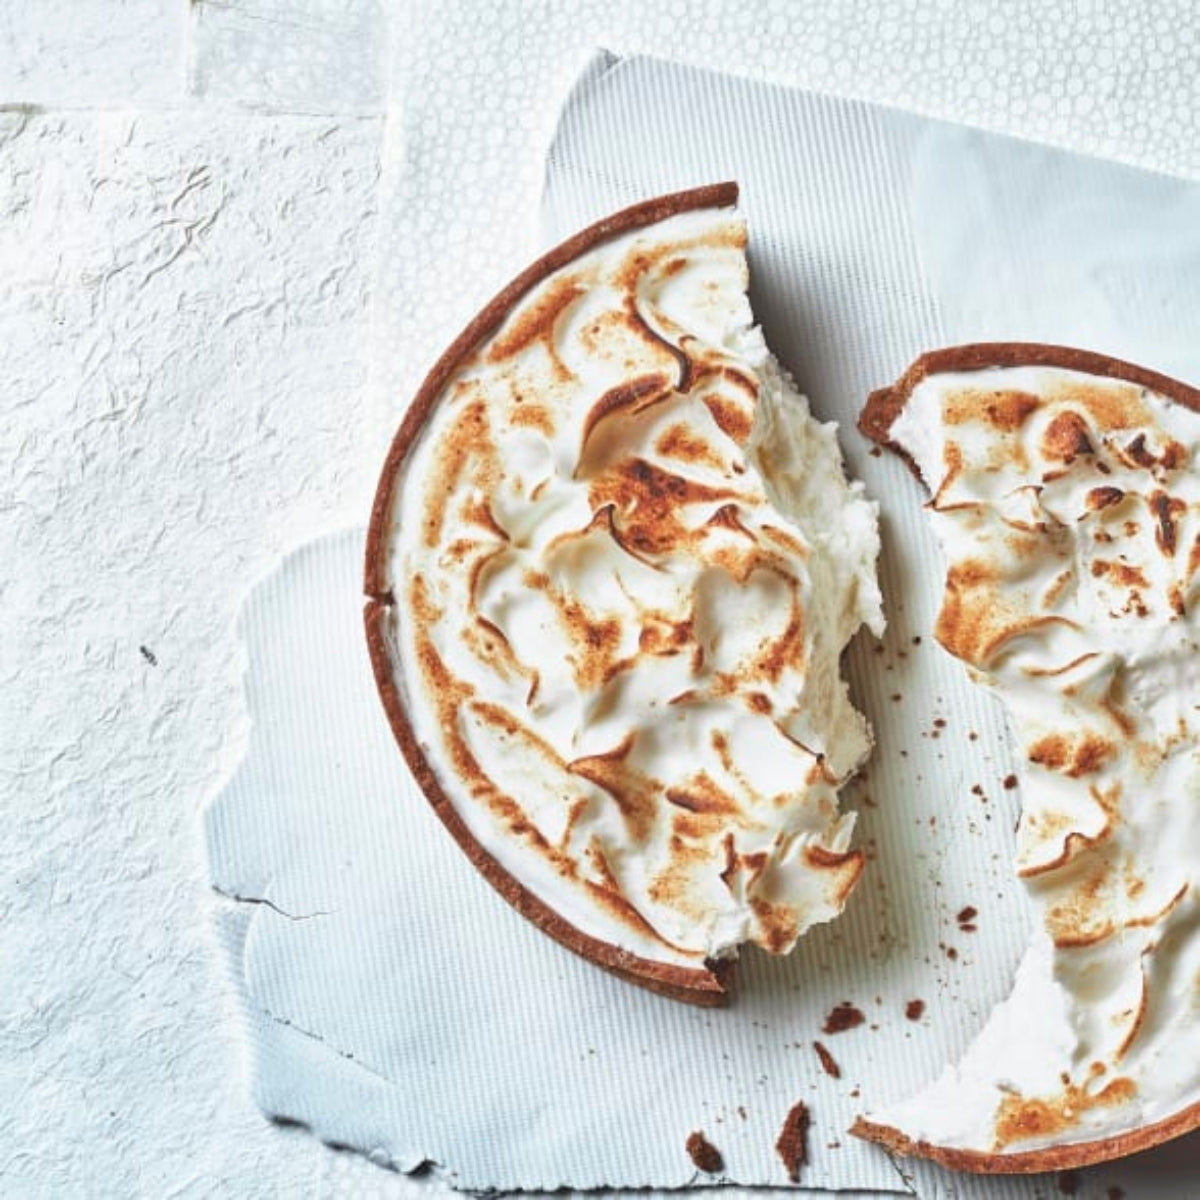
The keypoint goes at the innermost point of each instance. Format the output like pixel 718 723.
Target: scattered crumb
pixel 844 1016
pixel 792 1144
pixel 149 655
pixel 939 722
pixel 917 640
pixel 1010 782
pixel 895 697
pixel 741 1111
pixel 1068 1182
pixel 704 1154
pixel 827 1061
pixel 966 916
pixel 875 452
pixel 914 1009
pixel 973 736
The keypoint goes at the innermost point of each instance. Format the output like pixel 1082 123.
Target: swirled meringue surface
pixel 1068 508
pixel 624 561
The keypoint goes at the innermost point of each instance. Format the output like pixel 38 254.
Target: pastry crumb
pixel 844 1016
pixel 704 1154
pixel 792 1144
pixel 828 1062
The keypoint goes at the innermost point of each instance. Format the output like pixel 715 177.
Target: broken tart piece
pixel 611 568
pixel 1066 497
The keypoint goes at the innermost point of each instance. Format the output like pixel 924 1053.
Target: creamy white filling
pixel 777 742
pixel 1125 1006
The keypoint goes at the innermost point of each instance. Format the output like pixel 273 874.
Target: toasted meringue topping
pixel 1068 508
pixel 624 562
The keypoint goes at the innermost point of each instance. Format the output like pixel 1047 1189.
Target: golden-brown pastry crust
pixel 709 985
pixel 881 411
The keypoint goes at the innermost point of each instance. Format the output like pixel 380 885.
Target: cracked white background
pixel 188 261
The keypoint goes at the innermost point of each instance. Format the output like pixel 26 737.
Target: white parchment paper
pixel 399 1006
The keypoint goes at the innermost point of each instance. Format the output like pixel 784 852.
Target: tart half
pixel 1065 493
pixel 611 568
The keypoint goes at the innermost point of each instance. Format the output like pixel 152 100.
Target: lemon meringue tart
pixel 1066 498
pixel 611 568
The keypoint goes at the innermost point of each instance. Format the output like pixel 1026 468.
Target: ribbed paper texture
pixel 399 1005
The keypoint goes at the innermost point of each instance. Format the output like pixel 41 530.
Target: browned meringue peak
pixel 624 562
pixel 1066 497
